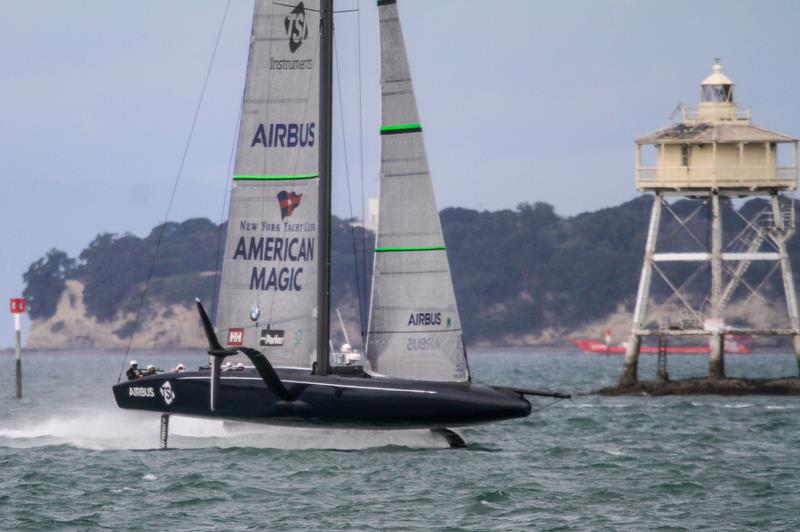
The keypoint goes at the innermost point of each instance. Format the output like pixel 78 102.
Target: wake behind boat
pixel 275 283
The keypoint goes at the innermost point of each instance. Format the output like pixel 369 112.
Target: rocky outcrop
pixel 706 386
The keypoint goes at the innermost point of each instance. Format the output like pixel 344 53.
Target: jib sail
pixel 414 329
pixel 268 287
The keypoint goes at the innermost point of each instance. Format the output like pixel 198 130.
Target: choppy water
pixel 70 459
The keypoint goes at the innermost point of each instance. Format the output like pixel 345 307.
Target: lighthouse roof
pixel 717 77
pixel 704 133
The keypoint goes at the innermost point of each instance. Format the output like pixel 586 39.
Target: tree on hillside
pixel 112 266
pixel 186 247
pixel 45 281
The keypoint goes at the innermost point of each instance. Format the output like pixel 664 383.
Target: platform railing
pixel 719 113
pixel 784 177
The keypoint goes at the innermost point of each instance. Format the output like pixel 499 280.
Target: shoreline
pixel 706 386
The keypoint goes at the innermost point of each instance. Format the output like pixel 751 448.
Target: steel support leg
pixel 630 369
pixel 791 299
pixel 662 375
pixel 716 351
pixel 783 234
pixel 716 356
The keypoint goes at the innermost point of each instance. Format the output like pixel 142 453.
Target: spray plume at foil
pixel 115 430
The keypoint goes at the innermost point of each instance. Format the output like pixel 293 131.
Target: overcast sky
pixel 520 100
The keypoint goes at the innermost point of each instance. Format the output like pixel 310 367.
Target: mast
pixel 324 205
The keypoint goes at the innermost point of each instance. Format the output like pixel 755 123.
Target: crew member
pixel 151 369
pixel 179 368
pixel 133 372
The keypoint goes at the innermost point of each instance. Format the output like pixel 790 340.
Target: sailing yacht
pixel 274 298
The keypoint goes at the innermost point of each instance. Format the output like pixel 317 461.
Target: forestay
pixel 414 330
pixel 269 275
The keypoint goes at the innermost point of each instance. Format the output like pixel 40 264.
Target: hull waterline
pixel 324 401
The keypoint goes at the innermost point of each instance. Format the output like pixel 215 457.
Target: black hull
pixel 324 401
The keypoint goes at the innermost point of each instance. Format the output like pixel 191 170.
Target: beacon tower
pixel 714 153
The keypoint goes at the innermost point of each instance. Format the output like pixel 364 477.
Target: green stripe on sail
pixel 273 177
pixel 386 2
pixel 411 248
pixel 392 128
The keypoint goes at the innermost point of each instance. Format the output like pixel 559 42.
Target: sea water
pixel 69 459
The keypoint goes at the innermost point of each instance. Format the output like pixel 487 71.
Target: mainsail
pixel 414 329
pixel 268 288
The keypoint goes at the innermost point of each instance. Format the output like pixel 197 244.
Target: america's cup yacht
pixel 274 297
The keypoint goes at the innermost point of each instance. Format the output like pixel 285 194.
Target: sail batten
pixel 414 326
pixel 400 128
pixel 267 296
pixel 276 177
pixel 411 248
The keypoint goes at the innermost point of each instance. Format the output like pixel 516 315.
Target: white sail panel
pixel 414 330
pixel 268 288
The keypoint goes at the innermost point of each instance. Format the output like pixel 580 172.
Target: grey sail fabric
pixel 414 328
pixel 268 287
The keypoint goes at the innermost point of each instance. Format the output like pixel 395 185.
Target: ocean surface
pixel 69 459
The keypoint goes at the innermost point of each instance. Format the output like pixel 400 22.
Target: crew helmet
pixel 133 363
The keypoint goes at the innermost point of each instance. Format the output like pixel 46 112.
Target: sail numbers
pixel 423 344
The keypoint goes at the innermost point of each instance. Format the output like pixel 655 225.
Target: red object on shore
pixel 598 346
pixel 18 305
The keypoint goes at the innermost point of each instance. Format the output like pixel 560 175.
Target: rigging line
pixel 364 324
pixel 174 188
pixel 349 194
pixel 548 405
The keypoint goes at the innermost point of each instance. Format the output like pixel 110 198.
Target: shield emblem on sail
pixel 288 202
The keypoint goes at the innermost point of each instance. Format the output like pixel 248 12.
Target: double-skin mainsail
pixel 269 282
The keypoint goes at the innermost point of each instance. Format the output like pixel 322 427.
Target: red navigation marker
pixel 18 305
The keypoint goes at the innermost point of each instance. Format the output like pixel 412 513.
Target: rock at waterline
pixel 706 386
